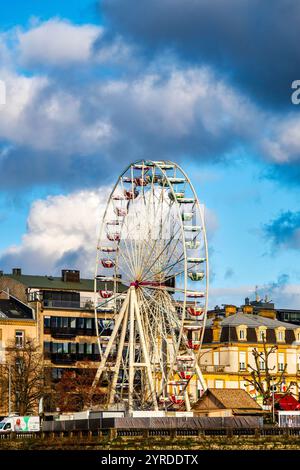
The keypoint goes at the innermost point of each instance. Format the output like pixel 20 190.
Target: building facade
pixel 228 347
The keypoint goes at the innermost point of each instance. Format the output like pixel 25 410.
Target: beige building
pixel 64 311
pixel 17 325
pixel 228 345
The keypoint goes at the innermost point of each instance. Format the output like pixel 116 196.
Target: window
pixel 298 336
pixel 80 323
pixel 280 336
pixel 46 322
pixel 281 362
pixel 89 348
pixel 242 334
pixel 262 335
pixel 73 349
pixel 73 323
pixel 262 365
pixel 242 360
pixel 89 323
pixel 216 358
pixel 20 339
pixel 81 348
pixel 47 347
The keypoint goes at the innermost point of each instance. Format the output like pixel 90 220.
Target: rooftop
pixel 230 398
pixel 14 309
pixel 253 321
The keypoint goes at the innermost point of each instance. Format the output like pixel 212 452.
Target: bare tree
pixel 23 373
pixel 73 391
pixel 263 378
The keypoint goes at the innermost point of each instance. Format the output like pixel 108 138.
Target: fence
pixel 150 433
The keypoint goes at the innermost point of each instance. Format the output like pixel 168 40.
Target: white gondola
pixel 192 244
pixel 120 212
pixel 108 249
pixel 185 200
pixel 177 180
pixel 141 167
pixel 105 309
pixel 192 327
pixel 187 216
pixel 192 228
pixel 165 166
pixel 113 222
pixel 118 197
pixel 127 179
pixel 196 276
pixel 195 295
pixel 176 196
pixel 196 260
pixel 185 358
pixel 105 278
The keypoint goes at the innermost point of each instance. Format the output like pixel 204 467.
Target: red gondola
pixel 186 374
pixel 130 194
pixel 140 182
pixel 113 237
pixel 195 345
pixel 177 399
pixel 107 263
pixel 195 311
pixel 106 294
pixel 120 212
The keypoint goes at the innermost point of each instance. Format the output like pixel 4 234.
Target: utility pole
pixel 9 389
pixel 273 404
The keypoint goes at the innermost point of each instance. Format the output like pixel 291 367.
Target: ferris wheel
pixel 151 289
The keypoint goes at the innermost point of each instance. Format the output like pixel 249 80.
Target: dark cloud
pixel 284 231
pixel 253 42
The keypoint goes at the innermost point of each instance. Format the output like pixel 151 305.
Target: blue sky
pixel 91 87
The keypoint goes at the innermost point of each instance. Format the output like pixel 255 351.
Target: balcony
pixel 211 368
pixel 66 358
pixel 85 303
pixel 69 333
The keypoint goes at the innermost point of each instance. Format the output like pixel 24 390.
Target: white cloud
pixel 62 231
pixel 57 42
pixel 60 227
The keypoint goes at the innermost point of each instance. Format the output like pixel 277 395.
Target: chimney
pixel 230 310
pixel 70 275
pixel 16 272
pixel 216 330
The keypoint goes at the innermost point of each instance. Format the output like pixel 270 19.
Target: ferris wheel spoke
pixel 148 268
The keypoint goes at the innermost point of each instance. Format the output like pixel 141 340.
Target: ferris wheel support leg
pixel 131 348
pixel 145 354
pixel 187 401
pixel 118 360
pixel 110 343
pixel 201 378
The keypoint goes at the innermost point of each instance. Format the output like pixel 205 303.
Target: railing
pixel 146 433
pixel 58 358
pixel 67 332
pixel 85 303
pixel 210 368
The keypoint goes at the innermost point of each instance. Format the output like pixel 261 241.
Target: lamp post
pixel 9 389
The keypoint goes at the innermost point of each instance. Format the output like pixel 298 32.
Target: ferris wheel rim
pixel 177 205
